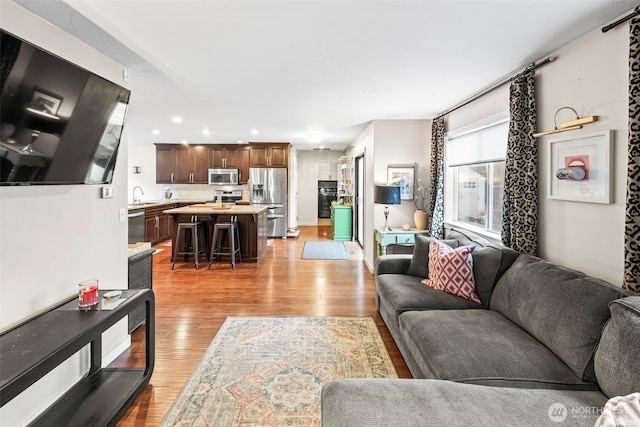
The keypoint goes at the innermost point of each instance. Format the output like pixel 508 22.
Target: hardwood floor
pixel 192 305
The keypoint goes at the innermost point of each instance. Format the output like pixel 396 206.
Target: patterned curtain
pixel 9 50
pixel 520 199
pixel 437 177
pixel 632 217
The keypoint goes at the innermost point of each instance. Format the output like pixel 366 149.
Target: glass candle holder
pixel 87 293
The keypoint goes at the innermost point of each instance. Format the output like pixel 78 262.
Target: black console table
pixel 32 349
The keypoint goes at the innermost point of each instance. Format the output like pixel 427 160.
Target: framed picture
pixel 580 168
pixel 402 175
pixel 45 101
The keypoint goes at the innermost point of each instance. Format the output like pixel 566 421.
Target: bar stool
pixel 190 232
pixel 217 250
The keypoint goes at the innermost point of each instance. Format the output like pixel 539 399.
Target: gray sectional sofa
pixel 547 345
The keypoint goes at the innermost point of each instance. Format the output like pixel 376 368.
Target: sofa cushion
pixel 616 360
pixel 564 309
pixel 451 270
pixel 465 237
pixel 392 264
pixel 402 292
pixel 482 347
pixel 419 266
pixel 428 403
pixel 489 264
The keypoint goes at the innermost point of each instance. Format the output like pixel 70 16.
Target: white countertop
pixel 203 209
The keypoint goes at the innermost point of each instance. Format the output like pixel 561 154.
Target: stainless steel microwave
pixel 223 176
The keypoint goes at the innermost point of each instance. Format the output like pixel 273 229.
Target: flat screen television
pixel 59 123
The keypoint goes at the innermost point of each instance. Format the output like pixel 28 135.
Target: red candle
pixel 88 293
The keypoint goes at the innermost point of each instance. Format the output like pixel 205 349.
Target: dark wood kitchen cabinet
pixel 244 165
pixel 252 228
pixel 182 164
pixel 269 154
pixel 233 157
pixel 158 226
pixel 192 164
pixel 164 164
pixel 222 156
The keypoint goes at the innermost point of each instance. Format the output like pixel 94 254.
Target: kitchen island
pixel 252 225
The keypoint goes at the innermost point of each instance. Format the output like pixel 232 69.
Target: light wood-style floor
pixel 192 305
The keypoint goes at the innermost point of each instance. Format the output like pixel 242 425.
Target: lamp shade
pixel 386 194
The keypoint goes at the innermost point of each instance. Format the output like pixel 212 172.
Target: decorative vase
pixel 420 218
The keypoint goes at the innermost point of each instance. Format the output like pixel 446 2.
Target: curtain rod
pixel 636 12
pixel 495 85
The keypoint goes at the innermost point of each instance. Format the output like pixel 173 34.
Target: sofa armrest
pixel 393 264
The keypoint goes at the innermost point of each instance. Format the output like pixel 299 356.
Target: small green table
pixel 397 236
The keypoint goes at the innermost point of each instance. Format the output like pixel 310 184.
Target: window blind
pixel 483 144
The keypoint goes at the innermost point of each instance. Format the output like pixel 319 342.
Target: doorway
pixel 358 201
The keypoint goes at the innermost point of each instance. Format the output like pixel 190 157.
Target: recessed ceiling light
pixel 176 119
pixel 254 132
pixel 184 141
pixel 240 141
pixel 314 137
pixel 155 132
pixel 205 131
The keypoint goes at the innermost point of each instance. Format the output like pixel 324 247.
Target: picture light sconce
pixel 570 125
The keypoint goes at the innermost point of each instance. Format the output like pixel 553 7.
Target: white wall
pixel 390 142
pixel 364 145
pixel 143 155
pixel 311 164
pixel 584 236
pixel 54 236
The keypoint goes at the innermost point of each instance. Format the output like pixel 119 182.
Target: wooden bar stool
pixel 217 250
pixel 189 233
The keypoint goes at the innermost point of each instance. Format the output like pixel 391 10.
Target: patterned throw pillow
pixel 451 270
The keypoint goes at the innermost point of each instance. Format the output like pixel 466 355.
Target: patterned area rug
pixel 269 371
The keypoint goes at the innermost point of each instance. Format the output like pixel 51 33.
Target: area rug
pixel 269 371
pixel 325 249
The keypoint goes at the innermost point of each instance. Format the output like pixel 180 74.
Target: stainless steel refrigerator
pixel 268 186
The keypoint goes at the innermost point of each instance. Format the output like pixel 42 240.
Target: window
pixel 474 181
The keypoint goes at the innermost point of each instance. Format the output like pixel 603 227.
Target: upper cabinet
pixel 222 156
pixel 244 164
pixel 269 154
pixel 231 156
pixel 193 164
pixel 189 164
pixel 182 164
pixel 164 163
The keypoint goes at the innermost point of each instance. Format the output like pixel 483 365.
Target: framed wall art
pixel 580 168
pixel 402 175
pixel 43 100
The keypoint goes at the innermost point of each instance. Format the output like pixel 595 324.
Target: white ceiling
pixel 293 68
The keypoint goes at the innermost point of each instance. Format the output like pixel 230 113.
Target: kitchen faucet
pixel 137 200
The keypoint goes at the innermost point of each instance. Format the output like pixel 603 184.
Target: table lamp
pixel 386 195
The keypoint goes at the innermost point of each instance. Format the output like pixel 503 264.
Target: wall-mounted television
pixel 59 123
